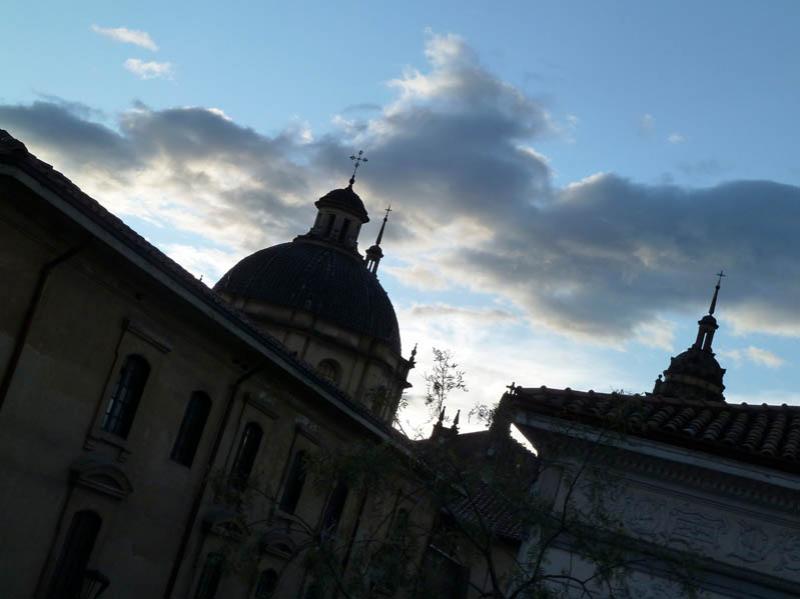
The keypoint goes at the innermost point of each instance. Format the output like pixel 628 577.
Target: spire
pixel 708 324
pixel 720 274
pixel 357 159
pixel 383 225
pixel 375 253
pixel 695 373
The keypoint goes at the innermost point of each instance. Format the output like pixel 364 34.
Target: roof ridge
pixel 21 157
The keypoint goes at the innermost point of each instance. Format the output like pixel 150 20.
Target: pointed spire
pixel 708 324
pixel 375 253
pixel 455 420
pixel 720 274
pixel 383 225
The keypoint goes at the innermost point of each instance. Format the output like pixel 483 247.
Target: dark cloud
pixel 474 203
pixel 44 123
pixel 361 107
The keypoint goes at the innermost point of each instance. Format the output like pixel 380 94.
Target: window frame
pixel 238 478
pixel 123 403
pixel 193 424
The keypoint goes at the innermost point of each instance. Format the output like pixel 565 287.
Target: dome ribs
pixel 332 284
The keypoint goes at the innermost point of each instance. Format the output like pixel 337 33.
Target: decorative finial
pixel 455 420
pixel 720 274
pixel 357 159
pixel 441 416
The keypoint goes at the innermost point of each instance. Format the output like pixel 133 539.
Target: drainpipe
pixel 198 498
pixel 27 322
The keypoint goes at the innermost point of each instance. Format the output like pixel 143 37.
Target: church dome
pixel 346 200
pixel 318 278
pixel 697 364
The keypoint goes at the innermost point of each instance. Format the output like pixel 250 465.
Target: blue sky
pixel 567 176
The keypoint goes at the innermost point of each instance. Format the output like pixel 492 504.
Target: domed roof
pixel 344 199
pixel 321 279
pixel 695 374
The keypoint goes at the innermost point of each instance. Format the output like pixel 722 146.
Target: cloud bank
pixel 605 258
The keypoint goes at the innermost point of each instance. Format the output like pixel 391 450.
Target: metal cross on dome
pixel 357 159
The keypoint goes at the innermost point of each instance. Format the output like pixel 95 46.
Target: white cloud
pixel 127 36
pixel 755 355
pixel 149 70
pixel 676 138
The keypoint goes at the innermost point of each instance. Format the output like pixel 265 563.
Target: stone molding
pixel 100 475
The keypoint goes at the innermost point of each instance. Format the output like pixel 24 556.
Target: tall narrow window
pixel 246 455
pixel 343 230
pixel 191 431
pixel 210 577
pixel 124 400
pixel 329 225
pixel 78 545
pixel 294 483
pixel 266 584
pixel 334 509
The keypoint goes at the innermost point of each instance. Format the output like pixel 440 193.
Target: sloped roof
pixel 14 153
pixel 766 435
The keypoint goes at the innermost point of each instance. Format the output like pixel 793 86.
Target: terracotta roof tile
pixel 767 435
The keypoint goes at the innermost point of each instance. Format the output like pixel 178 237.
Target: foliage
pixel 443 378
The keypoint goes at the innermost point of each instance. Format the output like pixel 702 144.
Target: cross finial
pixel 357 159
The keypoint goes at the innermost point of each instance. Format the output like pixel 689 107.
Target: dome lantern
pixel 695 373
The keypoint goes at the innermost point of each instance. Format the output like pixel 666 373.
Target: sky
pixel 566 177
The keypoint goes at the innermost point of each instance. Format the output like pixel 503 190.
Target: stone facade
pixel 133 400
pixel 735 522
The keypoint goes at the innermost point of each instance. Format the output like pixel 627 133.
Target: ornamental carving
pixel 696 529
pixel 789 553
pixel 753 543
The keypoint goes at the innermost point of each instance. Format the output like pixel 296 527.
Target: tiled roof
pixel 487 460
pixel 494 511
pixel 14 153
pixel 767 435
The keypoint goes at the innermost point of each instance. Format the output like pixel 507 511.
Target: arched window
pixel 329 370
pixel 294 483
pixel 124 400
pixel 266 584
pixel 210 577
pixel 334 508
pixel 78 545
pixel 191 431
pixel 246 455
